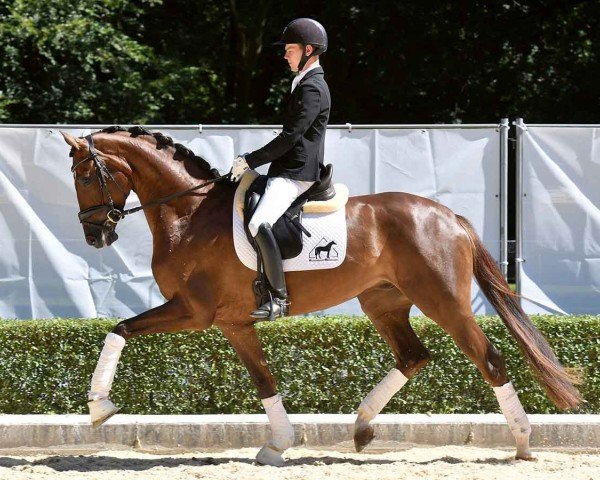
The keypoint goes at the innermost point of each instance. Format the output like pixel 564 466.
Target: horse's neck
pixel 155 174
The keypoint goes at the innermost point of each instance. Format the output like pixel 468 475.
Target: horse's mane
pixel 163 141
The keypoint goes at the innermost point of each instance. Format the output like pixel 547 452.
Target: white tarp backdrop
pixel 561 219
pixel 48 270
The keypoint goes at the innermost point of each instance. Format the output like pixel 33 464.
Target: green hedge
pixel 321 364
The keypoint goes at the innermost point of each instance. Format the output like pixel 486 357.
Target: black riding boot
pixel 273 267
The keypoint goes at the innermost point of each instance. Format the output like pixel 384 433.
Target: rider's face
pixel 293 54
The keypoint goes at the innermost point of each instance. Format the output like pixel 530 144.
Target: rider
pixel 295 154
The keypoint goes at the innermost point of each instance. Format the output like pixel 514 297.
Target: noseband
pixel 113 213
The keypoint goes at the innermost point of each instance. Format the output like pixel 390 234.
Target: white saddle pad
pixel 317 251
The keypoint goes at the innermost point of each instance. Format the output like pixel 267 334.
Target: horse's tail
pixel 550 373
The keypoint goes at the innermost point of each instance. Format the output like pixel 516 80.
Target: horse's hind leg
pixel 389 311
pixel 451 310
pixel 472 341
pixel 439 284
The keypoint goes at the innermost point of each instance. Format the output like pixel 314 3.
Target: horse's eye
pixel 85 181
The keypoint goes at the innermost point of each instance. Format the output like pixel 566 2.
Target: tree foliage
pixel 184 61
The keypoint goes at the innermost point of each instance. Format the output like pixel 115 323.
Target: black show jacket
pixel 299 149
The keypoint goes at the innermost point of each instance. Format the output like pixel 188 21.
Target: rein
pixel 114 214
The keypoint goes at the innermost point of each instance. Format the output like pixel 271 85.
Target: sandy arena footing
pixel 433 463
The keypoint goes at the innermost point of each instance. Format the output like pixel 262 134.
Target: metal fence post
pixel 503 127
pixel 521 128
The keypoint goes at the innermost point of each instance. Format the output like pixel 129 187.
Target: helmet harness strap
pixel 305 57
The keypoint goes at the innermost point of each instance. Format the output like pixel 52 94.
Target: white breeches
pixel 279 195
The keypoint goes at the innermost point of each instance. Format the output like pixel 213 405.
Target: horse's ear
pixel 74 142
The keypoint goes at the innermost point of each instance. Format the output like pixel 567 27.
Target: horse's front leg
pixel 170 317
pixel 247 345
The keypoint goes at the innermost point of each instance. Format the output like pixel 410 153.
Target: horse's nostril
pixel 91 240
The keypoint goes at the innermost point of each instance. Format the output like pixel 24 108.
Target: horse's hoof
pixel 269 455
pixel 101 410
pixel 523 450
pixel 528 457
pixel 363 436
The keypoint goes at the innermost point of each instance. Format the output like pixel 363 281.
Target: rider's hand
pixel 238 169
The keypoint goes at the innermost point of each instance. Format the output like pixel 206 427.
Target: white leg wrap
pixel 281 428
pixel 515 416
pixel 379 397
pixel 107 366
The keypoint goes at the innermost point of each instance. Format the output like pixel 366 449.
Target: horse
pixel 402 250
pixel 325 248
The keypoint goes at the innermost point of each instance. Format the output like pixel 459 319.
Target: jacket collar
pixel 310 73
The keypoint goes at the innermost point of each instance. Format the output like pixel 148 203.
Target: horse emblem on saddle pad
pixel 310 235
pixel 324 251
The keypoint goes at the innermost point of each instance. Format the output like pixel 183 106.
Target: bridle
pixel 113 214
pixel 116 213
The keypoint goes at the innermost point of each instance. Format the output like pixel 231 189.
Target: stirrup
pixel 272 309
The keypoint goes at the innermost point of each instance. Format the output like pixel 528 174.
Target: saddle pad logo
pixel 324 251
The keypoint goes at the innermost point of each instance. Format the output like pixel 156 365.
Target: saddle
pixel 288 230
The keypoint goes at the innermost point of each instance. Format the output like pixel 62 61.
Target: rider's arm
pixel 304 112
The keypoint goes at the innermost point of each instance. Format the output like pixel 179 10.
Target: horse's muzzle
pixel 100 237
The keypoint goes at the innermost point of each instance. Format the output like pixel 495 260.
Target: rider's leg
pixel 273 268
pixel 279 195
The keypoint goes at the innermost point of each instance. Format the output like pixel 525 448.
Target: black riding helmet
pixel 305 31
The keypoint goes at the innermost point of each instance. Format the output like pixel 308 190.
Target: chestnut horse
pixel 402 250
